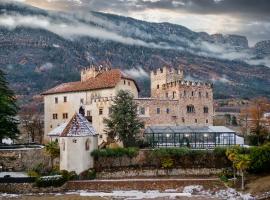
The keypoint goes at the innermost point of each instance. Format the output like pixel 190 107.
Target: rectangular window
pixel 56 100
pixel 124 82
pixel 207 121
pixel 205 109
pixel 200 94
pixel 158 110
pixel 196 120
pixel 110 110
pixel 173 95
pixel 142 111
pixel 82 101
pixel 55 116
pixel 65 99
pixel 206 95
pixel 65 115
pixel 157 86
pixel 128 83
pixel 167 110
pixel 88 113
pixel 100 111
pixel 183 119
pixel 167 94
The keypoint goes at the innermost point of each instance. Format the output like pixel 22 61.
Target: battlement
pixel 92 71
pixel 187 83
pixel 167 70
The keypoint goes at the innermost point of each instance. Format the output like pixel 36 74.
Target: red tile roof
pixel 107 79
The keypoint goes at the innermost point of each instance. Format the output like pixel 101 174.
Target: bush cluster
pixel 47 181
pixel 260 158
pixel 116 152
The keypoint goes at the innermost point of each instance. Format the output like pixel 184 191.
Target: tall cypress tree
pixel 8 111
pixel 123 122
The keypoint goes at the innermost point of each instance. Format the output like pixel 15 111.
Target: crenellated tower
pixel 162 76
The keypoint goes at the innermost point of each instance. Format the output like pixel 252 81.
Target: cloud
pixel 94 25
pixel 137 72
pixel 70 29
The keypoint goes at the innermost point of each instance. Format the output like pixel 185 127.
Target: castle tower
pixel 77 141
pixel 162 76
pixel 92 72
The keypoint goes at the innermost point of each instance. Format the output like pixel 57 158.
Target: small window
pixel 200 94
pixel 158 110
pixel 55 116
pixel 65 99
pixel 157 86
pixel 110 110
pixel 167 110
pixel 56 100
pixel 185 93
pixel 161 70
pixel 124 82
pixel 173 95
pixel 100 111
pixel 206 95
pixel 88 113
pixel 206 121
pixel 87 144
pixel 74 141
pixel 190 109
pixel 167 94
pixel 183 119
pixel 192 93
pixel 82 101
pixel 142 111
pixel 51 126
pixel 65 115
pixel 63 145
pixel 100 136
pixel 205 109
pixel 129 83
pixel 196 120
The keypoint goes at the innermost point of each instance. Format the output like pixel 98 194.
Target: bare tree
pixel 32 123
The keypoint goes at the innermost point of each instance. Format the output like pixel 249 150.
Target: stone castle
pixel 173 101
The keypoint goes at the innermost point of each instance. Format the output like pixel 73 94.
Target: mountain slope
pixel 51 48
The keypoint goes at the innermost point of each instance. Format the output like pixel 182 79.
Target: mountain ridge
pixel 37 58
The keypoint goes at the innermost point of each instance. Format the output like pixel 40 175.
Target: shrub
pixel 117 152
pixel 91 174
pixel 47 181
pixel 32 173
pixel 68 175
pixel 220 151
pixel 260 159
pixel 167 163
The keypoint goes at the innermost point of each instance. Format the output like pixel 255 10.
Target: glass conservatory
pixel 195 137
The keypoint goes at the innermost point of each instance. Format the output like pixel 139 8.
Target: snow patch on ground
pixel 135 194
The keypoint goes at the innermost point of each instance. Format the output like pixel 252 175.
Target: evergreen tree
pixel 123 122
pixel 8 111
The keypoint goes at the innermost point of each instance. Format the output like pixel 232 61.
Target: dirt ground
pixel 258 184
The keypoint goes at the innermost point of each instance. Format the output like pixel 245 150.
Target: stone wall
pixel 141 184
pixel 22 159
pixel 131 173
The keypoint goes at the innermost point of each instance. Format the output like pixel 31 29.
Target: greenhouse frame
pixel 195 137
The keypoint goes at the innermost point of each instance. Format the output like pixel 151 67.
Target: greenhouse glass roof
pixel 187 129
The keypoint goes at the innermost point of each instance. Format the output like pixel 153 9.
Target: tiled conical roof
pixel 78 126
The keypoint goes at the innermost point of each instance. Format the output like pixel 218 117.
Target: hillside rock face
pixel 262 48
pixel 35 58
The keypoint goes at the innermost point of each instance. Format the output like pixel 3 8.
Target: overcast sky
pixel 245 17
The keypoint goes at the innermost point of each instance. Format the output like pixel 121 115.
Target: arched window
pixel 87 143
pixel 190 109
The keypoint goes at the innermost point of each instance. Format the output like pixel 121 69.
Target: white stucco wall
pixel 74 156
